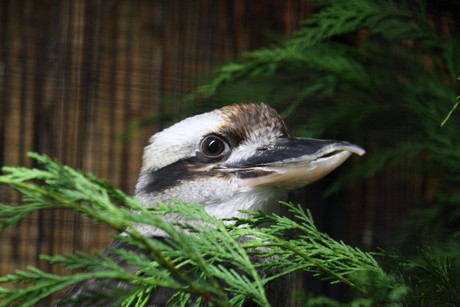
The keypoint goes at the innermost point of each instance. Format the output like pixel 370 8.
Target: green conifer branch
pixel 210 253
pixel 454 107
pixel 43 284
pixel 312 250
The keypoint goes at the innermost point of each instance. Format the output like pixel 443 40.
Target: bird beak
pixel 292 163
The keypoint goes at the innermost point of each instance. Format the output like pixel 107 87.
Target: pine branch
pixel 454 107
pixel 194 260
pixel 43 284
pixel 312 251
pixel 432 277
pixel 384 18
pixel 312 49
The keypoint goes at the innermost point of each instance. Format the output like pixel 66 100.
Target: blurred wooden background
pixel 75 74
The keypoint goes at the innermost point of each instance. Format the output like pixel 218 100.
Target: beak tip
pixel 352 148
pixel 360 152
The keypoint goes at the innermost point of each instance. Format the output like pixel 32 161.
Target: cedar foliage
pixel 195 257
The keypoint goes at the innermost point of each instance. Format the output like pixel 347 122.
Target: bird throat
pixel 264 199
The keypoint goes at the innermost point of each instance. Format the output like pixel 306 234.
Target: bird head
pixel 239 157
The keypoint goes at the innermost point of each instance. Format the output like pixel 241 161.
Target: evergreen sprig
pixel 312 250
pixel 204 259
pixel 454 107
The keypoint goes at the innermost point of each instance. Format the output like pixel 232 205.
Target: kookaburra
pixel 239 157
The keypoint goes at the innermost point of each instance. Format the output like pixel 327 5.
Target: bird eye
pixel 213 146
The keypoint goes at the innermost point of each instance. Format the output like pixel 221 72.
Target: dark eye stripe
pixel 172 175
